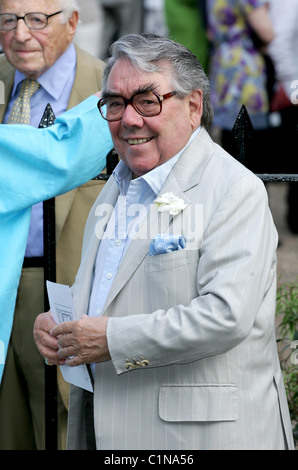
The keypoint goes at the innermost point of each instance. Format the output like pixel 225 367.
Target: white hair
pixel 149 53
pixel 69 6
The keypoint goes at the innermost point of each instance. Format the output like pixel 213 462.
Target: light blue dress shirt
pixel 55 88
pixel 38 164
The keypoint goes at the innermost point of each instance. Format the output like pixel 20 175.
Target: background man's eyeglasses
pixel 9 21
pixel 147 104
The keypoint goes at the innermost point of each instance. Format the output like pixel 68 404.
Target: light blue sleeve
pixel 37 164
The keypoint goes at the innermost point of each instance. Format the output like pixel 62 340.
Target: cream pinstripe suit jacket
pixel 202 318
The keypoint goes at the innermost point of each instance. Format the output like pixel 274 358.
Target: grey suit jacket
pixel 192 332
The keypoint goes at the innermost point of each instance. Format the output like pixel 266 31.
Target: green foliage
pixel 287 316
pixel 287 309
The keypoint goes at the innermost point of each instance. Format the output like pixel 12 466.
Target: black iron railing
pixel 242 134
pixel 49 226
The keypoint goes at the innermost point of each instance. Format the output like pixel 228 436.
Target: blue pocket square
pixel 165 243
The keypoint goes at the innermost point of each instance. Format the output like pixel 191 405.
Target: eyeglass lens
pixel 147 104
pixel 9 21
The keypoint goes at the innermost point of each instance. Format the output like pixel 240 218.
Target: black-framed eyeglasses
pixel 147 104
pixel 9 21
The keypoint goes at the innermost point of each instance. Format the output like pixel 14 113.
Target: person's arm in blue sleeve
pixel 37 164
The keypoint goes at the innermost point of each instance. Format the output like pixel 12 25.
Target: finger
pixel 62 328
pixel 65 340
pixel 50 361
pixel 52 356
pixel 65 353
pixel 54 360
pixel 49 321
pixel 73 361
pixel 47 349
pixel 43 339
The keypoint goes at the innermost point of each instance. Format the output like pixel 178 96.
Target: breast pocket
pixel 171 261
pixel 171 278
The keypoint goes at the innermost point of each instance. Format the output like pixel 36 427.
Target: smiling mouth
pixel 138 141
pixel 24 52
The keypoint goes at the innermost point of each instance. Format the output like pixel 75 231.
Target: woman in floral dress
pixel 239 31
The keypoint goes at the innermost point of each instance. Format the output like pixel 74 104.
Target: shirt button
pixel 109 275
pixel 117 242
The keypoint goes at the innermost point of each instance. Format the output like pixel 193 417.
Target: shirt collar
pixel 154 178
pixel 58 74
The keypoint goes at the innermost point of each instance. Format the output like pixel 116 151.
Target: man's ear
pixel 195 107
pixel 73 22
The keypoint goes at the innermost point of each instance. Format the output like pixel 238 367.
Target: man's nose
pixel 131 117
pixel 22 32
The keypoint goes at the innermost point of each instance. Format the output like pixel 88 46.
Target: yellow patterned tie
pixel 21 110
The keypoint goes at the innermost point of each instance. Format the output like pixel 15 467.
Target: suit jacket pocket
pixel 171 260
pixel 203 402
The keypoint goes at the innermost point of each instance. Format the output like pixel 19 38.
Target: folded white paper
pixel 62 309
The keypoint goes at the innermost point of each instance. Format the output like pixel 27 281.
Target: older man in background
pixel 37 40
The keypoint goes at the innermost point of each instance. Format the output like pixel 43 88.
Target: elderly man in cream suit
pixel 178 276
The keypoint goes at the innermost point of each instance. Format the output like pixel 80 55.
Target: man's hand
pixel 46 344
pixel 83 341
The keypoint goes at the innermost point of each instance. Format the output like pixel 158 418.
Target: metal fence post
pixel 242 133
pixel 49 226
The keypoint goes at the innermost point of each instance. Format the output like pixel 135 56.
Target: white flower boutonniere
pixel 168 202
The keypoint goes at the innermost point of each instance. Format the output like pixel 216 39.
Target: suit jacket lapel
pixel 88 77
pixel 7 77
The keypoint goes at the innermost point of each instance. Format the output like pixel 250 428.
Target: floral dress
pixel 237 68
